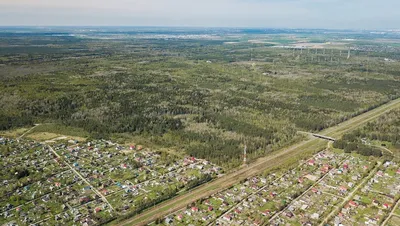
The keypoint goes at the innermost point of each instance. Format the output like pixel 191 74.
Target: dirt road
pixel 29 130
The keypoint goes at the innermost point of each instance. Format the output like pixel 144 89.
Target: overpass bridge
pixel 323 137
pixel 318 136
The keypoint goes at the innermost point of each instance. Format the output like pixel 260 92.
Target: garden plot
pixel 374 201
pixel 309 209
pixel 341 181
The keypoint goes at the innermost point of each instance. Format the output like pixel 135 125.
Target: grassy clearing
pixel 47 131
pixel 42 136
pixel 13 133
pixel 45 136
pixel 394 221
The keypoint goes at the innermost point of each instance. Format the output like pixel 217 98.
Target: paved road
pixel 275 159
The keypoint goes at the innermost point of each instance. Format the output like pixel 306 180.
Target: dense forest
pixel 362 149
pixel 385 130
pixel 202 96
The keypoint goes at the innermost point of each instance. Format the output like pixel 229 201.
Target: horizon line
pixel 183 26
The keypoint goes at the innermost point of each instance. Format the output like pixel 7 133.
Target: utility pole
pixel 244 155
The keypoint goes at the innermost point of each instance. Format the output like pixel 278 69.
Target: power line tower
pixel 348 54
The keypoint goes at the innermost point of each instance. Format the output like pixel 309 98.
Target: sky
pixel 334 14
